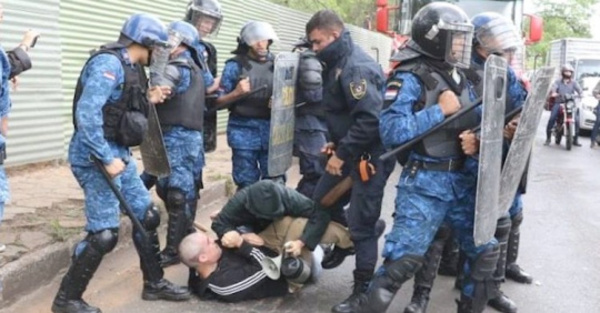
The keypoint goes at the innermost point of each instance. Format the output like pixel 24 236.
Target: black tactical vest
pixel 124 121
pixel 186 109
pixel 444 143
pixel 257 105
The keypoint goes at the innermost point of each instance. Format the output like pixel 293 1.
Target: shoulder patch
pixel 358 89
pixel 109 75
pixel 392 89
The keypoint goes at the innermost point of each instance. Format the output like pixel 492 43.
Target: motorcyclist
pixel 561 87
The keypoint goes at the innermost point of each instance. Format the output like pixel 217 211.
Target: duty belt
pixel 444 166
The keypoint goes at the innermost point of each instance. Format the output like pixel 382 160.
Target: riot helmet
pixel 495 34
pixel 443 31
pixel 186 32
pixel 567 71
pixel 205 15
pixel 145 30
pixel 254 32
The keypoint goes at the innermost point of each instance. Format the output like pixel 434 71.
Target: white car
pixel 587 118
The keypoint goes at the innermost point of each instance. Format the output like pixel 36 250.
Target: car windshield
pixel 588 68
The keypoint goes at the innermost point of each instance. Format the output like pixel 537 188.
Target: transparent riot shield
pixel 490 149
pixel 520 147
pixel 282 113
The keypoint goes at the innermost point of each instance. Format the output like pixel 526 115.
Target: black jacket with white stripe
pixel 239 276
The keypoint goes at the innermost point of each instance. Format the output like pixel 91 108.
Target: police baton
pixel 507 118
pixel 434 129
pixel 227 104
pixel 125 208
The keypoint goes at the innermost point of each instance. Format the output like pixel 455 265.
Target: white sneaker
pixel 2 247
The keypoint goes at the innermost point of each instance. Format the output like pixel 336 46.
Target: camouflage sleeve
pixel 516 93
pixel 229 78
pixel 184 80
pixel 399 123
pixel 5 103
pixel 103 74
pixel 209 80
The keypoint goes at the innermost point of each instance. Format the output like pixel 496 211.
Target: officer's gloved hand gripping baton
pixel 227 104
pixel 125 208
pixel 507 118
pixel 446 121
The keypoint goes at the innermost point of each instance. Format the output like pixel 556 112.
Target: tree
pixel 352 12
pixel 561 19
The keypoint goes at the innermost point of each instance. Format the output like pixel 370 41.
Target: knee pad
pixel 175 199
pixel 485 264
pixel 404 268
pixel 443 233
pixel 103 241
pixel 503 229
pixel 151 218
pixel 517 220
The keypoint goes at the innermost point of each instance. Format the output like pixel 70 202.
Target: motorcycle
pixel 565 121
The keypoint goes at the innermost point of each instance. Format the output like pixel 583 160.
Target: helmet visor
pixel 498 36
pixel 458 51
pixel 206 22
pixel 160 57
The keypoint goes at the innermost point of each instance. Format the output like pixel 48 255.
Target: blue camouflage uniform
pixel 5 105
pixel 102 79
pixel 515 97
pixel 247 137
pixel 426 198
pixel 184 146
pixel 209 80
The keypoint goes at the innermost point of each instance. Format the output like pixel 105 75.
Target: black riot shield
pixel 490 149
pixel 154 153
pixel 282 113
pixel 520 147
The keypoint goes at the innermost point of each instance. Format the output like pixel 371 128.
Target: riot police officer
pixel 11 64
pixel 109 115
pixel 435 183
pixel 566 84
pixel 206 16
pixel 249 117
pixel 493 34
pixel 181 118
pixel 310 133
pixel 352 98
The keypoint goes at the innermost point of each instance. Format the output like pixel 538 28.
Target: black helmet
pixel 443 31
pixel 199 11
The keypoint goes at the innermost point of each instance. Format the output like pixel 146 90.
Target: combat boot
pixel 516 273
pixel 384 286
pixel 425 277
pixel 85 261
pixel 164 290
pixel 361 283
pixel 513 270
pixel 419 300
pixel 503 303
pixel 63 305
pixel 179 214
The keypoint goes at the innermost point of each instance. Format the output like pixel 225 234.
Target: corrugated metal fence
pixel 40 122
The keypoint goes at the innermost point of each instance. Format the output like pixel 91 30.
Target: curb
pixel 38 268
